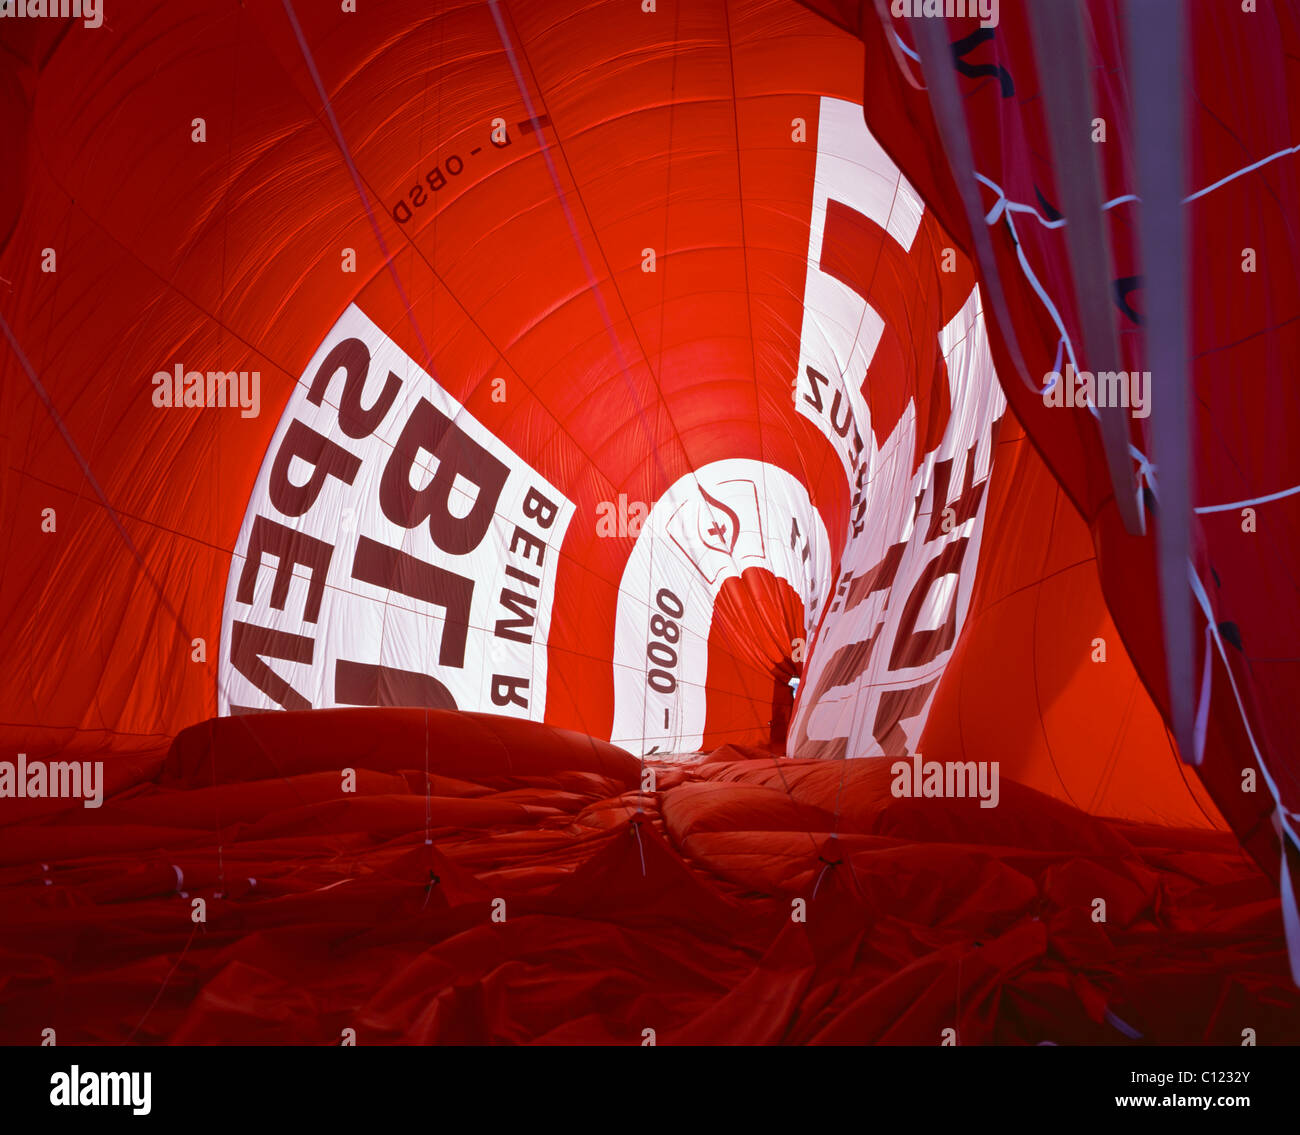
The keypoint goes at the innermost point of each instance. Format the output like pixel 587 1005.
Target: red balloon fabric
pixel 504 500
pixel 493 881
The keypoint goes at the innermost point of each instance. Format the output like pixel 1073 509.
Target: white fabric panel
pixel 840 334
pixel 711 525
pixel 363 623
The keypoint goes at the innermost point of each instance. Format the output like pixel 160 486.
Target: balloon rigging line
pixel 328 106
pixel 1157 40
pixel 1232 506
pixel 1147 468
pixel 948 111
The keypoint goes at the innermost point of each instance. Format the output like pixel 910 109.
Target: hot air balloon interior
pixel 564 521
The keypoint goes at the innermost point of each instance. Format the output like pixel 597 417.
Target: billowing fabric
pixel 504 401
pixel 619 912
pixel 1241 197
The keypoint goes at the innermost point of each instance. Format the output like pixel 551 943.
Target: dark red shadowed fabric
pixel 619 912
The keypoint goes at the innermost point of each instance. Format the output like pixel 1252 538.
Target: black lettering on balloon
pixel 359 683
pixel 879 578
pixel 326 459
pixel 815 401
pixel 1123 287
pixel 916 648
pixel 459 456
pixel 842 430
pixel 1053 213
pixel 965 46
pixel 250 645
pixel 964 507
pixel 352 356
pixel 895 706
pixel 290 549
pixel 506 691
pixel 392 570
pixel 1231 634
pixel 846 665
pixel 518 629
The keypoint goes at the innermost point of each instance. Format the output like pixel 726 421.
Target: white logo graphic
pixel 710 526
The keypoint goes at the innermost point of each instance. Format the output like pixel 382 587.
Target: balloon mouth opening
pixel 785 685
